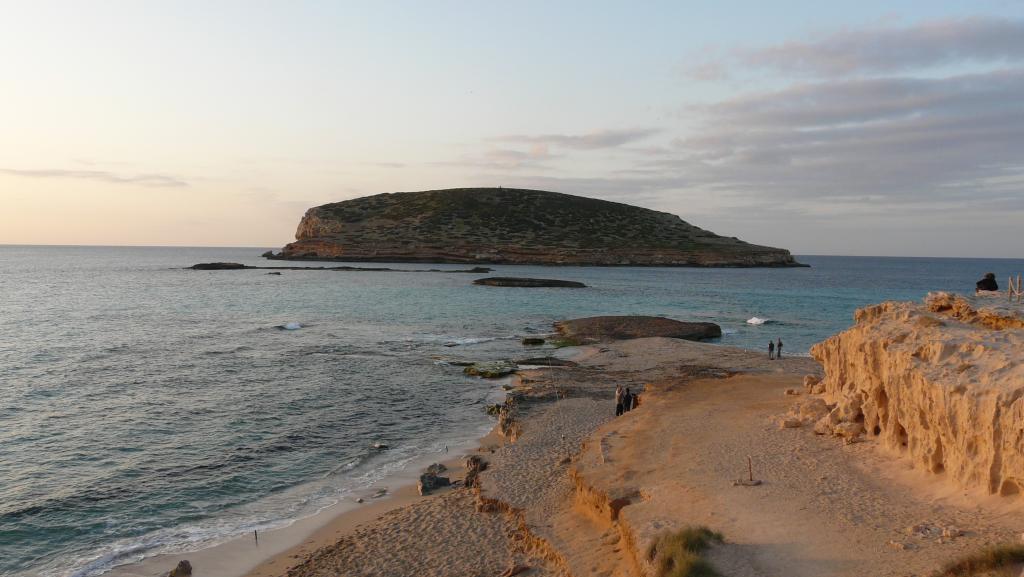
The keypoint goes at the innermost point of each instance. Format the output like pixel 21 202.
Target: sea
pixel 146 408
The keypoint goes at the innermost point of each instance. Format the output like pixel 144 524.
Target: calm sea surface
pixel 147 409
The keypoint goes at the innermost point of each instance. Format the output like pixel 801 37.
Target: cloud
pixel 590 141
pixel 858 148
pixel 155 180
pixel 884 50
pixel 955 139
pixel 506 158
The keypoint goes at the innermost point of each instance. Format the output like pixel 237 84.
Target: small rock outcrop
pixel 431 481
pixel 613 328
pixel 518 282
pixel 942 383
pixel 184 569
pixel 491 369
pixel 533 341
pixel 474 465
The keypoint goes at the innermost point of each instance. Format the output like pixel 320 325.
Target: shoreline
pixel 275 550
pixel 574 490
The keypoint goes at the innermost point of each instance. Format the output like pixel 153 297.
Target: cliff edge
pixel 942 383
pixel 512 226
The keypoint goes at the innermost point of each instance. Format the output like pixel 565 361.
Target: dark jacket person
pixel 988 283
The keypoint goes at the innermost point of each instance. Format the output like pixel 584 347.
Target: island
pixel 513 226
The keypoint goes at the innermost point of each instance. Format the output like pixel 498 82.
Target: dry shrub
pixel 991 559
pixel 678 554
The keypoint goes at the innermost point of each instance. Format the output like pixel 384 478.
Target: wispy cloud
pixel 888 138
pixel 882 50
pixel 590 141
pixel 154 180
pixel 506 158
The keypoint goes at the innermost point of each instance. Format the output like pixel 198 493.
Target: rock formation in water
pixel 614 328
pixel 942 383
pixel 507 281
pixel 511 226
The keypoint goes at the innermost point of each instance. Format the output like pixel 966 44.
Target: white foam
pixel 292 326
pixel 756 321
pixel 472 341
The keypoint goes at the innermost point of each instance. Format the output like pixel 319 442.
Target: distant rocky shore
pixel 513 226
pixel 239 266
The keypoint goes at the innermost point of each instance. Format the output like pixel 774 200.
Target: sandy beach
pixel 570 489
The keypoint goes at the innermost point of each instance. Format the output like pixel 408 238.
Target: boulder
pixel 610 328
pixel 520 282
pixel 850 408
pixel 429 482
pixel 184 569
pixel 823 426
pixel 436 469
pixel 810 381
pixel 812 410
pixel 491 370
pixel 533 341
pixel 790 423
pixel 848 430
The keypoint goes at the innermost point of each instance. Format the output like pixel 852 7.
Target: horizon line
pixel 264 248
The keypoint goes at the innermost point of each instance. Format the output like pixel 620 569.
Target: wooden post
pixel 750 469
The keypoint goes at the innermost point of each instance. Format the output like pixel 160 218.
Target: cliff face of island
pixel 942 383
pixel 511 226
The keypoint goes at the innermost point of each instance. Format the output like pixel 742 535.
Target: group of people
pixel 774 350
pixel 624 400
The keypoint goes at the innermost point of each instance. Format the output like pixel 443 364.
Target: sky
pixel 862 128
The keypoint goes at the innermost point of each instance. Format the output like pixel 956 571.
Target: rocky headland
pixel 941 383
pixel 513 226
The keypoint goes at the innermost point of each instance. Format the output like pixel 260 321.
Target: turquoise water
pixel 147 409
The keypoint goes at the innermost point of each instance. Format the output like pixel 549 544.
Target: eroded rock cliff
pixel 942 383
pixel 511 226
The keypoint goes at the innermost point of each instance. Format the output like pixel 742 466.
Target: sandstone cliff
pixel 941 383
pixel 510 226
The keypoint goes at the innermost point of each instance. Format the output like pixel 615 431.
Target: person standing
pixel 778 350
pixel 771 350
pixel 618 399
pixel 627 400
